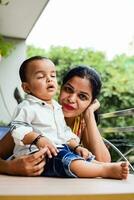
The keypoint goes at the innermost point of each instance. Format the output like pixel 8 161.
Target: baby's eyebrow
pixel 54 71
pixel 43 72
pixel 37 72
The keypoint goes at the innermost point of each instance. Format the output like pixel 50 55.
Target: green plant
pixel 6 47
pixel 4 2
pixel 2 123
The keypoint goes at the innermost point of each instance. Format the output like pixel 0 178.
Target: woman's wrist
pixel 89 115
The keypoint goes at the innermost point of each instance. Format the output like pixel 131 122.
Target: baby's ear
pixel 25 87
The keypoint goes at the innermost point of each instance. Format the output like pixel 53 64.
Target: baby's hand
pixel 83 152
pixel 51 149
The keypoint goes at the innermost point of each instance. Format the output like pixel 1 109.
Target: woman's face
pixel 75 96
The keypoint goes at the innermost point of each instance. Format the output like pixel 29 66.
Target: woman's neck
pixel 70 121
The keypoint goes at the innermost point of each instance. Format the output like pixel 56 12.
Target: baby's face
pixel 41 79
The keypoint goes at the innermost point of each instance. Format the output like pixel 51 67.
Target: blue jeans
pixel 59 166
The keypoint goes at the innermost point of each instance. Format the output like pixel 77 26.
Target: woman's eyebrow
pixel 68 84
pixel 85 93
pixel 81 92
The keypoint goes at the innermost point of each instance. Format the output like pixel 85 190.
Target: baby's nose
pixel 49 78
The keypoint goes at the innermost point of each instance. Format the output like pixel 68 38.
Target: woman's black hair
pixel 90 74
pixel 24 66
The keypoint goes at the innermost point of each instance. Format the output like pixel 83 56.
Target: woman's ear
pixel 25 87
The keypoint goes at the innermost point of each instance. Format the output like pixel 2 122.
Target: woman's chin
pixel 68 115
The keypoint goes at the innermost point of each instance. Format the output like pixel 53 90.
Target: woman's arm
pixel 28 165
pixel 6 146
pixel 91 136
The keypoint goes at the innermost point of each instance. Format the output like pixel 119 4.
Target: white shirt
pixel 36 115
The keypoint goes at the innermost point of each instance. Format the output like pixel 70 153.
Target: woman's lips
pixel 68 107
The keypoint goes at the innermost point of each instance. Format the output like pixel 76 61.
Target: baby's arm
pixel 40 142
pixel 83 152
pixel 73 141
pixel 23 132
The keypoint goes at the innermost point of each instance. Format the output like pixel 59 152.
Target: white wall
pixel 9 80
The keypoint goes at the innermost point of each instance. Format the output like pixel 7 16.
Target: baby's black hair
pixel 24 66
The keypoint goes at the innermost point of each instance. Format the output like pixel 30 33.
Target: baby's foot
pixel 125 170
pixel 119 170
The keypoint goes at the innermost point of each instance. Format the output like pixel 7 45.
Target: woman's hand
pixel 27 165
pixel 92 108
pixel 51 149
pixel 94 105
pixel 83 152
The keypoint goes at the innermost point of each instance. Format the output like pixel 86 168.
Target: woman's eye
pixel 83 97
pixel 68 89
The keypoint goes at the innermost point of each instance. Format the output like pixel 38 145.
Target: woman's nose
pixel 72 98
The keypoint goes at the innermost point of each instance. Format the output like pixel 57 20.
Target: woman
pixel 80 88
pixel 79 91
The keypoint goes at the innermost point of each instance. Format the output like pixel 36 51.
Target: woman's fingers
pixel 38 169
pixel 37 156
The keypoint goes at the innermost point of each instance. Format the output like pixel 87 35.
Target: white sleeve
pixel 65 131
pixel 21 124
pixel 70 135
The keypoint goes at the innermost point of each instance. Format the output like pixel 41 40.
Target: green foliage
pixel 66 58
pixel 32 51
pixel 5 47
pixel 117 78
pixel 118 87
pixel 117 75
pixel 2 123
pixel 4 3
